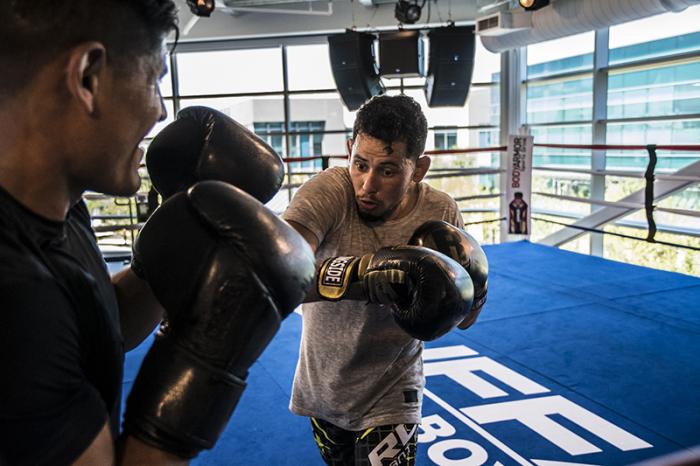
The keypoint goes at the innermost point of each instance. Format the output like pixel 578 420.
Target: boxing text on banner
pixel 518 186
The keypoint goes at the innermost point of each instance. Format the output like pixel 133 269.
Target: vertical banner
pixel 519 182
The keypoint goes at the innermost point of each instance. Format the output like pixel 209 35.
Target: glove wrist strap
pixel 179 403
pixel 337 276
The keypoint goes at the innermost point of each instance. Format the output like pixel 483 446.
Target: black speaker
pixel 401 54
pixel 354 67
pixel 450 66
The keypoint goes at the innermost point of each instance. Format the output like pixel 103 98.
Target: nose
pixel 370 182
pixel 163 109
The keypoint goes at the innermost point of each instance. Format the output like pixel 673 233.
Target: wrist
pixel 137 268
pixel 340 277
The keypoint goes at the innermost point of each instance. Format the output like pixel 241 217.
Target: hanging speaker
pixel 450 66
pixel 354 67
pixel 401 54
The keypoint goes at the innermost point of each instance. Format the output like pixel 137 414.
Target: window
pixel 306 140
pixel 653 97
pixel 271 133
pixel 309 67
pixel 559 109
pixel 445 139
pixel 656 36
pixel 655 90
pixel 230 71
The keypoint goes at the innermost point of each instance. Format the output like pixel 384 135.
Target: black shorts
pixel 390 445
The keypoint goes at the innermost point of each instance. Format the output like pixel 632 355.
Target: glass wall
pixel 652 96
pixel 287 95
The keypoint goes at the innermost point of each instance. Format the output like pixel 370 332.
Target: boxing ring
pixel 575 360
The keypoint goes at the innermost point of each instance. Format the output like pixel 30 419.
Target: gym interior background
pixel 266 64
pixel 593 331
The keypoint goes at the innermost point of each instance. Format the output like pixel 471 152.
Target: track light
pixel 532 5
pixel 407 12
pixel 201 7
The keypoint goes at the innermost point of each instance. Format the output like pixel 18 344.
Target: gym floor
pixel 574 360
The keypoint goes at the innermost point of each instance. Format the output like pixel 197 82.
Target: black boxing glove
pixel 428 292
pixel 227 270
pixel 205 144
pixel 462 247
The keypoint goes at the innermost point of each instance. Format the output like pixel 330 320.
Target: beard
pixel 376 218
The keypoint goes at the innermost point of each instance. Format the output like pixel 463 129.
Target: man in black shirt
pixel 78 93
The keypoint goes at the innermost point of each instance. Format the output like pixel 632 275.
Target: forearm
pixel 126 450
pixel 139 310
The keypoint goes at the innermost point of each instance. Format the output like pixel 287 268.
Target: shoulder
pixel 33 295
pixel 332 178
pixel 17 261
pixel 439 203
pixel 330 186
pixel 322 203
pixel 435 196
pixel 49 412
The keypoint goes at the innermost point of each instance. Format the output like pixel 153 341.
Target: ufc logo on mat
pixel 509 399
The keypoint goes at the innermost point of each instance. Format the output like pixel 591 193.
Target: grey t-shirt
pixel 357 369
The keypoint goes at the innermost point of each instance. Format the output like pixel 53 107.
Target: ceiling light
pixel 407 12
pixel 532 5
pixel 201 7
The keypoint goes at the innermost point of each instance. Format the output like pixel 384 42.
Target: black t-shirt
pixel 61 351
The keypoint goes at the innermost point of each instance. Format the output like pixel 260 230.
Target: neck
pixel 407 203
pixel 29 169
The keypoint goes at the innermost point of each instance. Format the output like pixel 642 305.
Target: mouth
pixel 367 204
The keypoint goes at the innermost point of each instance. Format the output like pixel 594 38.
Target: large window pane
pixel 309 67
pixel 332 115
pixel 652 132
pixel 572 53
pixel 659 35
pixel 484 105
pixel 480 109
pixel 558 100
pixel 272 132
pixel 566 99
pixel 655 90
pixel 326 106
pixel 557 157
pixel 166 84
pixel 453 138
pixel 230 72
pixel 246 110
pixel 442 116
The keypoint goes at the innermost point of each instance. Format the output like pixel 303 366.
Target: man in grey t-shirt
pixel 360 376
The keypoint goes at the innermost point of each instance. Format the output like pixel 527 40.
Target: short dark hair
pixel 34 31
pixel 393 119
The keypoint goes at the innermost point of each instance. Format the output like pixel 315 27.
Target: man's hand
pixel 227 270
pixel 462 247
pixel 428 292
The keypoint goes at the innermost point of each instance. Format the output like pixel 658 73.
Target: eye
pixel 388 172
pixel 360 165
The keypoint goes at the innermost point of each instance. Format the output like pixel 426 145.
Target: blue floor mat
pixel 574 360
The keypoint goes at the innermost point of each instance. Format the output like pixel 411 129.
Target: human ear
pixel 86 63
pixel 348 146
pixel 422 166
